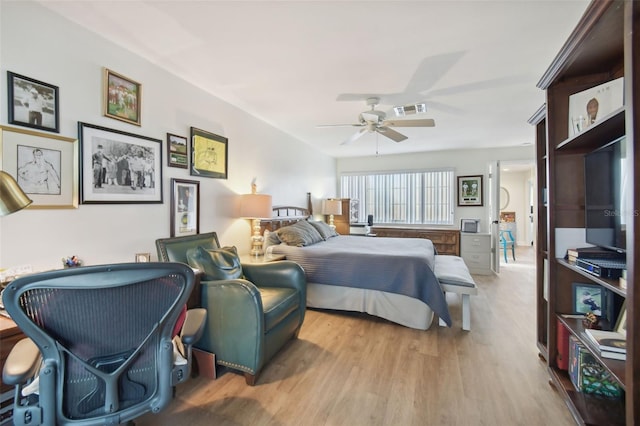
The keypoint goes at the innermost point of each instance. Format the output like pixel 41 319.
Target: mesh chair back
pixel 105 331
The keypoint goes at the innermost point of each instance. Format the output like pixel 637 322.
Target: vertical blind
pixel 420 197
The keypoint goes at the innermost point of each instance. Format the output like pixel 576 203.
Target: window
pixel 420 198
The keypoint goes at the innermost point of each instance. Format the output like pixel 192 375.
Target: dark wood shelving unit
pixel 604 46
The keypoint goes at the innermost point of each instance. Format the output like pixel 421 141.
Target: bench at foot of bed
pixel 454 277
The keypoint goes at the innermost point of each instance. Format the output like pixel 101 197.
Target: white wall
pixel 465 162
pixel 41 45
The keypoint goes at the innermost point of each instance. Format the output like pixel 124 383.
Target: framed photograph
pixel 470 190
pixel 589 298
pixel 469 225
pixel 185 207
pixel 208 154
pixel 621 322
pixel 44 165
pixel 32 103
pixel 122 97
pixel 590 106
pixel 177 151
pixel 118 167
pixel 143 257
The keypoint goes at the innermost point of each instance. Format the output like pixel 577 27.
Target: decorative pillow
pixel 216 264
pixel 324 230
pixel 299 234
pixel 270 239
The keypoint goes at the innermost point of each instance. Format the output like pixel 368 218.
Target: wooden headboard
pixel 286 215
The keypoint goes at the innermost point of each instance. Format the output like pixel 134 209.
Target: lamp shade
pixel 12 198
pixel 255 206
pixel 332 206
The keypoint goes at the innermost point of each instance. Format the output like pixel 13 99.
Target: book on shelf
pixel 591 253
pixel 588 375
pixel 613 355
pixel 609 341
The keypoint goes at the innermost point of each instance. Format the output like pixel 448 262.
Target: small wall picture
pixel 177 151
pixel 592 105
pixel 185 207
pixel 589 298
pixel 122 97
pixel 32 103
pixel 470 190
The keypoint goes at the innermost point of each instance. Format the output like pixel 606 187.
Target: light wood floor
pixel 353 369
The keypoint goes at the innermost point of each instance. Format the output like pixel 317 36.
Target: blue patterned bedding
pixel 395 265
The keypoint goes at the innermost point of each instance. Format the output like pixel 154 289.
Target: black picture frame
pixel 133 166
pixel 470 191
pixel 589 298
pixel 177 151
pixel 32 103
pixel 185 207
pixel 209 154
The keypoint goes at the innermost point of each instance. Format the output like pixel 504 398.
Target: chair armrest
pixel 284 273
pixel 193 326
pixel 22 363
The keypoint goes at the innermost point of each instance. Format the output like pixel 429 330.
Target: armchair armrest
pixel 22 363
pixel 284 273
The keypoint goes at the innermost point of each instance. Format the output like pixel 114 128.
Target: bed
pixel 391 278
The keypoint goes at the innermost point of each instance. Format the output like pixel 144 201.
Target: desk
pixel 10 334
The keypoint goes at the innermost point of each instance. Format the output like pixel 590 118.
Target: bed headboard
pixel 286 215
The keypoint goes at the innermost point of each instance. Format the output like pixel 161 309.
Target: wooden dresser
pixel 446 241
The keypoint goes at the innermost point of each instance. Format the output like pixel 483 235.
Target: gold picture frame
pixel 44 165
pixel 122 97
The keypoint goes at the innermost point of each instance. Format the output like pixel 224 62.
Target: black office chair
pixel 100 340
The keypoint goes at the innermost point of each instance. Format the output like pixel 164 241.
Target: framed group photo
pixel 208 154
pixel 44 165
pixel 119 167
pixel 122 97
pixel 185 207
pixel 32 103
pixel 470 190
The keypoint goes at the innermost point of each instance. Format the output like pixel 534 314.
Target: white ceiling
pixel 293 63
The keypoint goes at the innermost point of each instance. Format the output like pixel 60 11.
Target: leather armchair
pixel 252 311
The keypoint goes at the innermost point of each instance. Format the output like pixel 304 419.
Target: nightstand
pixel 247 258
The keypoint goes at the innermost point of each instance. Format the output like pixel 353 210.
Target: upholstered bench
pixel 454 277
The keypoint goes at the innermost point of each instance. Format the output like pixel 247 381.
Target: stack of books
pixel 590 253
pixel 611 344
pixel 588 375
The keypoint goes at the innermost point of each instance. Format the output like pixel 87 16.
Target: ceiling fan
pixel 376 121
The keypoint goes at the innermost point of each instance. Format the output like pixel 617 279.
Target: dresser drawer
pixel 475 243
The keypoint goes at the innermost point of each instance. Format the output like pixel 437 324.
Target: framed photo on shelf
pixel 185 207
pixel 177 151
pixel 590 106
pixel 118 167
pixel 470 190
pixel 208 154
pixel 32 103
pixel 621 322
pixel 44 165
pixel 122 97
pixel 589 298
pixel 143 257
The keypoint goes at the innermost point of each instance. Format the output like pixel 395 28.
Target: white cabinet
pixel 475 249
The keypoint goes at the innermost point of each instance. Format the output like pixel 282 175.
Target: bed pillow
pixel 215 264
pixel 269 239
pixel 299 234
pixel 324 230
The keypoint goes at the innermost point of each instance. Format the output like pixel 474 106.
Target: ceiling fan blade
pixel 355 136
pixel 339 125
pixel 423 122
pixel 391 134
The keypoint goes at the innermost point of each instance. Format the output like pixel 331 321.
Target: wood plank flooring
pixel 353 369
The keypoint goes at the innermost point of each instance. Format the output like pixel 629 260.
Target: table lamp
pixel 331 207
pixel 12 198
pixel 255 206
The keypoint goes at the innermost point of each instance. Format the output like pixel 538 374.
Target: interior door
pixel 494 213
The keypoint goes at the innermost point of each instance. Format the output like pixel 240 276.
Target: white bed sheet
pixel 397 308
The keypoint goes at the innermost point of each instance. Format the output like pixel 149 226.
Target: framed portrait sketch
pixel 589 298
pixel 208 154
pixel 118 167
pixel 470 190
pixel 44 165
pixel 122 97
pixel 32 103
pixel 177 151
pixel 185 207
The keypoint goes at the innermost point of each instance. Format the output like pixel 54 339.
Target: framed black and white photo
pixel 177 151
pixel 44 165
pixel 122 97
pixel 589 298
pixel 32 103
pixel 470 190
pixel 119 167
pixel 185 207
pixel 208 154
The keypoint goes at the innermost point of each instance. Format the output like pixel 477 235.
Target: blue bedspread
pixel 395 265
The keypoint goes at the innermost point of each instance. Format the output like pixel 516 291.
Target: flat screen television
pixel 606 189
